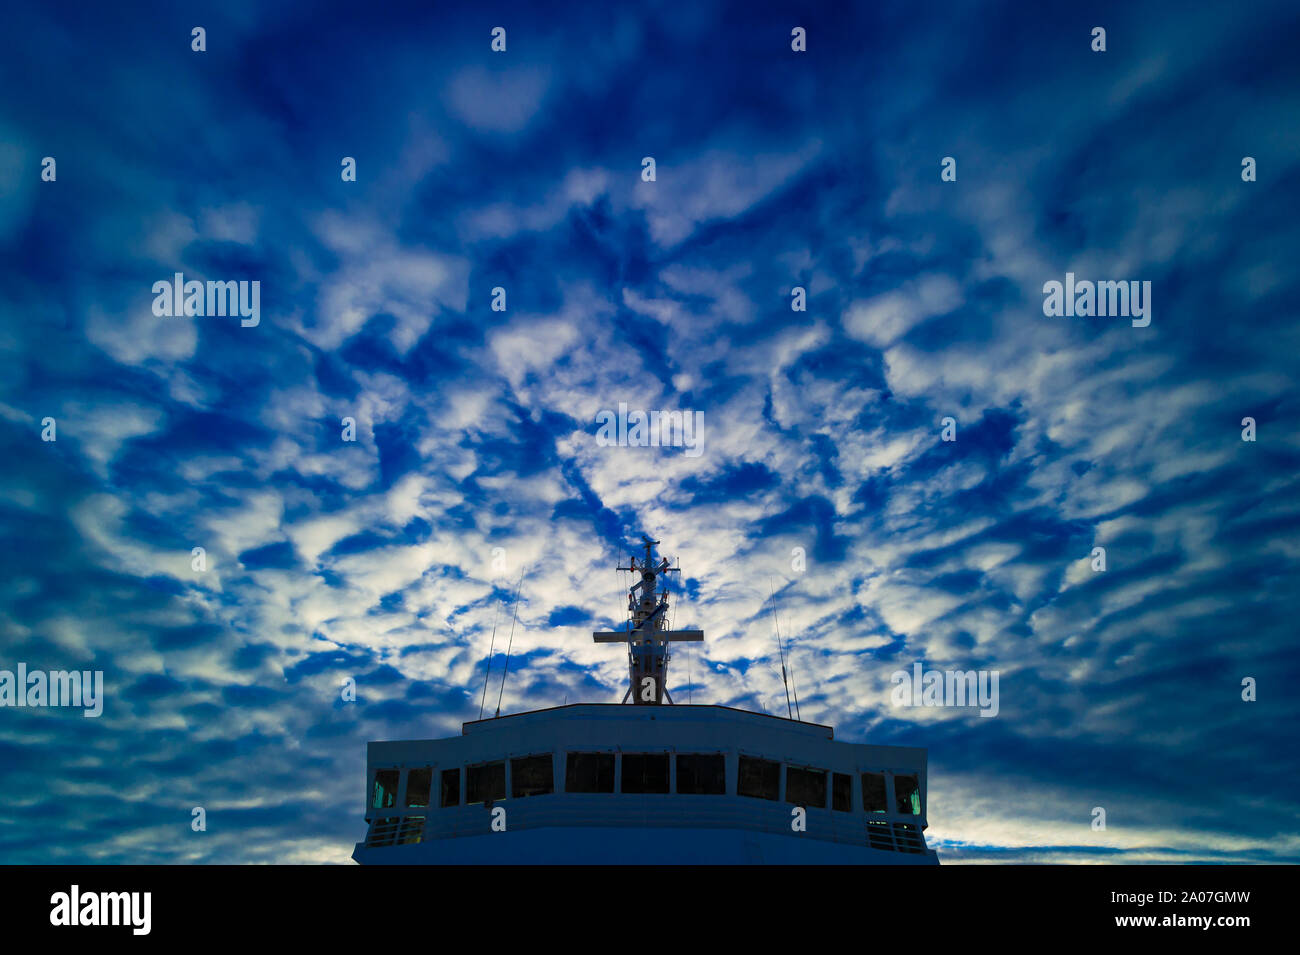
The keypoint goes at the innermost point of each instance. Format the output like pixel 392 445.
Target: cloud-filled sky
pixel 373 559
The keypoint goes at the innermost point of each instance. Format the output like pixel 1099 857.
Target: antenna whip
pixel 506 672
pixel 797 715
pixel 781 650
pixel 491 649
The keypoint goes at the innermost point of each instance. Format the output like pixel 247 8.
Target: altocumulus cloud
pixel 384 560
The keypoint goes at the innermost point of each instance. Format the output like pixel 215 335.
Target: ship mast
pixel 647 635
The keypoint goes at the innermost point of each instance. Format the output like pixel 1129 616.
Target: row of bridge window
pixel 697 774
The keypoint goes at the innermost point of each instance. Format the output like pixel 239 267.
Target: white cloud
pixel 881 320
pixel 498 100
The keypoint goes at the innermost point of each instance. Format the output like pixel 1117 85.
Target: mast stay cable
pixel 491 649
pixel 781 651
pixel 506 672
pixel 790 656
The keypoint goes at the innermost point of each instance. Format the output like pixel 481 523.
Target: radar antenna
pixel 647 634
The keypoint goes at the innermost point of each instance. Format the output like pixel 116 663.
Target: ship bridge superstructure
pixel 683 784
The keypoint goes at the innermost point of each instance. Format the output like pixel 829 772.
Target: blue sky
pixel 373 559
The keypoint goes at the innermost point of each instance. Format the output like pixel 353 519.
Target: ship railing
pixel 658 811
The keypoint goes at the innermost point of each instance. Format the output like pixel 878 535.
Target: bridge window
pixel 531 776
pixel 485 783
pixel 841 792
pixel 589 773
pixel 383 791
pixel 874 798
pixel 418 784
pixel 450 788
pixel 760 778
pixel 907 793
pixel 702 774
pixel 645 772
pixel 805 787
